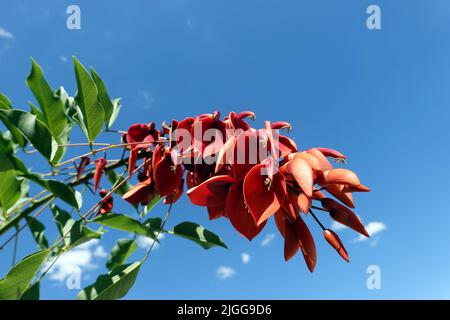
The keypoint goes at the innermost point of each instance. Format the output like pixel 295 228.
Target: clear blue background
pixel 381 97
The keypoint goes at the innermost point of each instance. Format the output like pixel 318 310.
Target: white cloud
pixel 245 257
pixel 336 226
pixel 6 34
pixel 75 261
pixel 225 272
pixel 372 228
pixel 100 252
pixel 146 243
pixel 63 59
pixel 145 99
pixel 268 239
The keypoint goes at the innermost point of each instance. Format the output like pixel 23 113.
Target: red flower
pixel 82 166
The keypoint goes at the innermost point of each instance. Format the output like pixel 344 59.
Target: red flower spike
pixel 264 196
pixel 238 213
pixel 99 166
pixel 107 204
pixel 246 114
pixel 167 175
pixel 212 192
pixel 344 216
pixel 333 239
pixel 303 174
pixel 306 244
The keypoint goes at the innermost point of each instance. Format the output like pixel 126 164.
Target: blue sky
pixel 380 96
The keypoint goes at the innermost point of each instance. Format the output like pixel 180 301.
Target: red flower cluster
pixel 245 175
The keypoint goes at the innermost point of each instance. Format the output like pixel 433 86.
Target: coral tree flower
pixel 246 175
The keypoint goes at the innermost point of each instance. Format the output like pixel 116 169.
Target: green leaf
pixel 80 234
pixel 198 234
pixel 92 114
pixel 38 231
pixel 153 223
pixel 6 143
pixel 125 223
pixel 64 222
pixel 19 277
pixel 59 189
pixel 15 133
pixel 120 253
pixel 149 207
pixel 51 105
pixel 111 107
pixel 113 285
pixel 10 187
pixel 32 292
pixel 5 101
pixel 34 130
pixel 116 179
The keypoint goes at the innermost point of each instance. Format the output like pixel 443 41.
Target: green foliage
pixel 59 189
pixel 195 232
pixel 10 187
pixel 51 105
pixel 32 293
pixel 79 234
pixel 120 253
pixel 125 223
pixel 17 136
pixel 18 279
pixel 38 231
pixel 111 107
pixel 91 114
pixel 113 285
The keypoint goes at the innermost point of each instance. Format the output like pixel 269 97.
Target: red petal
pixel 336 243
pixel 344 215
pixel 172 198
pixel 225 154
pixel 99 166
pixel 358 188
pixel 291 243
pixel 306 244
pixel 340 176
pixel 345 197
pixel 140 193
pixel 215 212
pixel 280 221
pixel 303 174
pixel 212 192
pixel 132 161
pixel 304 203
pixel 246 154
pixel 327 152
pixel 240 217
pixel 313 162
pixel 263 199
pixel 167 176
pixel 324 163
